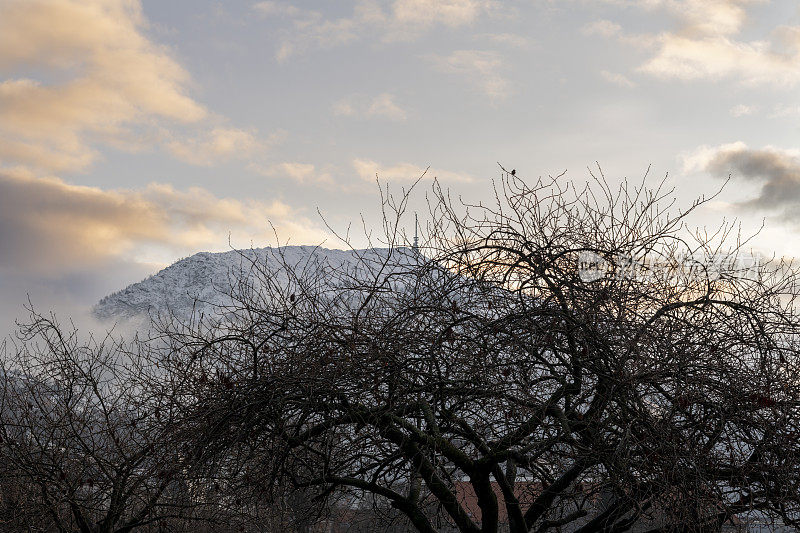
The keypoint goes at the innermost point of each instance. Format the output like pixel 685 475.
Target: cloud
pixel 344 108
pixel 50 226
pixel 100 77
pixel 603 28
pixel 399 20
pixel 776 171
pixel 427 13
pixel 68 294
pixel 482 67
pixel 742 110
pixel 699 159
pixel 219 144
pixel 300 172
pixel 784 110
pixel 617 79
pixel 718 58
pixel 706 44
pixel 777 111
pixel 368 169
pixel 511 40
pixel 77 75
pixel 271 8
pixel 705 17
pixel 722 17
pixel 309 28
pixel 380 106
pixel 66 246
pixel 384 106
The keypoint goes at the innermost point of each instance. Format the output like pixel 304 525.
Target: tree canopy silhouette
pixel 563 359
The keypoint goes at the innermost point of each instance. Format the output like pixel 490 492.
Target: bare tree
pixel 85 438
pixel 565 359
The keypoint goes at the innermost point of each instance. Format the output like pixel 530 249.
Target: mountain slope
pixel 200 283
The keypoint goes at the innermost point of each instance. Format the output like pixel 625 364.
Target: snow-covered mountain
pixel 200 283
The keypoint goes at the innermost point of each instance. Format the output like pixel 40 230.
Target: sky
pixel 137 132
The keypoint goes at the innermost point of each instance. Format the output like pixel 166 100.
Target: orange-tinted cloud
pixel 97 78
pixel 48 225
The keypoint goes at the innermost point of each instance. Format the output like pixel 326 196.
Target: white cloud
pixel 344 108
pixel 604 28
pixel 298 171
pixel 304 173
pixel 717 58
pixel 368 169
pixel 617 79
pixel 217 145
pixel 742 110
pixel 698 159
pixel 784 111
pixel 309 28
pixel 722 17
pixel 380 106
pixel 706 44
pixel 483 68
pixel 401 20
pixel 706 17
pixel 272 8
pixel 453 13
pixel 512 40
pixel 384 105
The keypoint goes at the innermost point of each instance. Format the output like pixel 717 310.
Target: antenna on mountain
pixel 415 246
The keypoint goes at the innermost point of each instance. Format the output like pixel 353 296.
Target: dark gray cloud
pixel 777 171
pixel 70 295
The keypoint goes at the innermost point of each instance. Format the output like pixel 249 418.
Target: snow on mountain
pixel 200 283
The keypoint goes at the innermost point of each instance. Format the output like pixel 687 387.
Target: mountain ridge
pixel 199 283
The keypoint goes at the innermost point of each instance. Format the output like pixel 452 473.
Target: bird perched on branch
pixel 514 172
